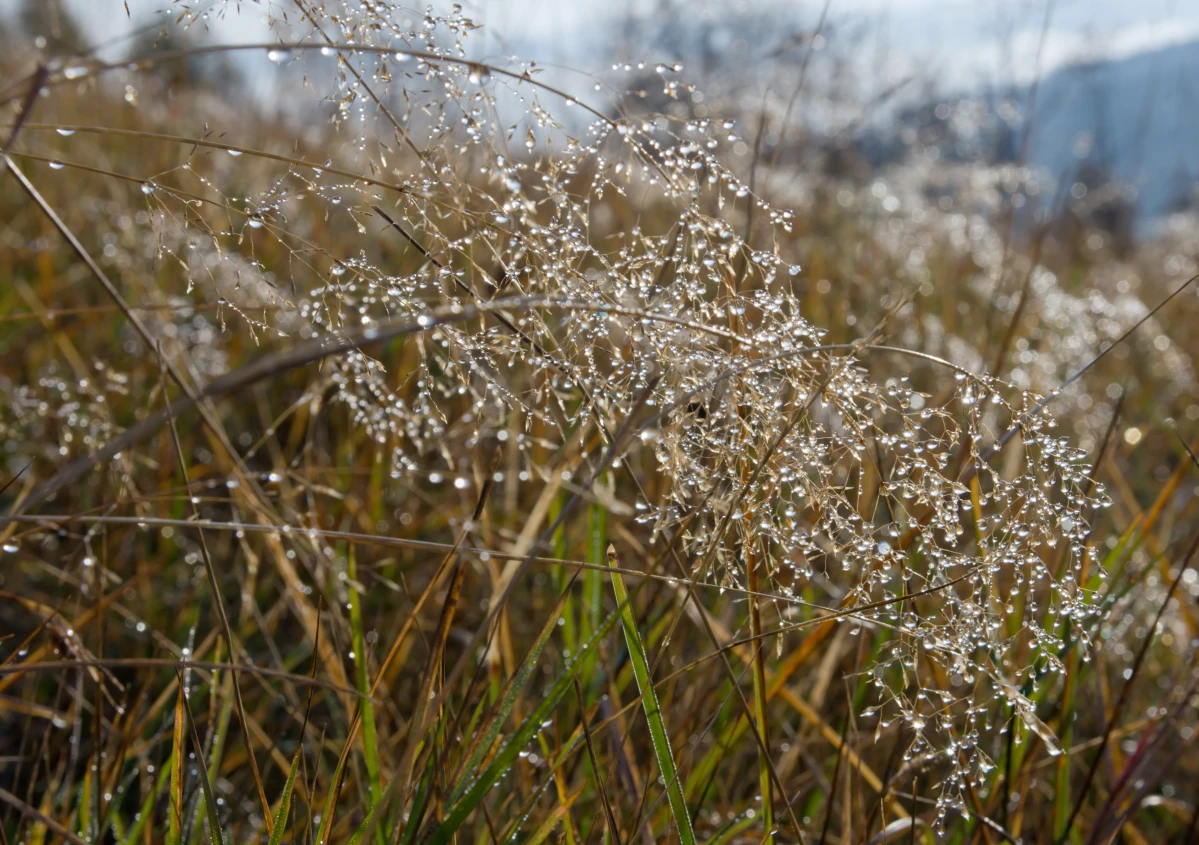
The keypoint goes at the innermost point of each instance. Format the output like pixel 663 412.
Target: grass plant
pixel 446 458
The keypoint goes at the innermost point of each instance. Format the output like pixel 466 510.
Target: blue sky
pixel 942 46
pixel 961 42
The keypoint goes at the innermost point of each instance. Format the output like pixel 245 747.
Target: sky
pixel 958 43
pixel 967 36
pixel 936 47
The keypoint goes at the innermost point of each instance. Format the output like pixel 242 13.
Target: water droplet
pixel 148 188
pixel 66 133
pixel 56 165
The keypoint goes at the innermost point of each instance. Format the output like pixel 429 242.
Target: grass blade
pixel 551 821
pixel 1124 691
pixel 368 824
pixel 331 799
pixel 370 741
pixel 595 767
pixel 503 760
pixel 214 822
pixel 285 802
pixel 593 582
pixel 175 822
pixel 759 673
pixel 142 818
pixel 509 697
pixel 417 809
pixel 284 807
pixel 649 703
pixel 506 756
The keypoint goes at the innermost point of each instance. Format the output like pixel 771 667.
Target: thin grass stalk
pixel 370 740
pixel 759 680
pixel 593 584
pixel 175 809
pixel 596 771
pixel 208 797
pixel 40 817
pixel 1118 708
pixel 508 752
pixel 214 585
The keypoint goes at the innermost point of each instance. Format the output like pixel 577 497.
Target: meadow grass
pixel 423 465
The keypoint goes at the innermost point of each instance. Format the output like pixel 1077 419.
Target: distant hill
pixel 1134 120
pixel 1138 116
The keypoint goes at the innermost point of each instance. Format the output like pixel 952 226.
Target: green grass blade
pixel 511 694
pixel 649 703
pixel 503 760
pixel 83 807
pixel 570 635
pixel 593 580
pixel 370 742
pixel 497 722
pixel 1062 798
pixel 142 818
pixel 214 822
pixel 759 673
pixel 217 752
pixel 547 827
pixel 468 791
pixel 732 831
pixel 417 810
pixel 368 823
pixel 322 833
pixel 284 808
pixel 507 755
